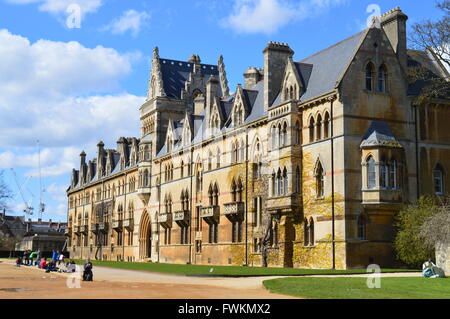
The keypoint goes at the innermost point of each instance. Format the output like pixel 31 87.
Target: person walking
pixel 32 254
pixel 54 255
pixel 25 257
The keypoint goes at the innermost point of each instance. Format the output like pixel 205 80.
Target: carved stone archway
pixel 145 237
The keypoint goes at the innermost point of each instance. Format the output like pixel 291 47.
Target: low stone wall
pixel 443 257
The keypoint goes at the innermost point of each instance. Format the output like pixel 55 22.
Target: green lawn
pixel 356 288
pixel 208 270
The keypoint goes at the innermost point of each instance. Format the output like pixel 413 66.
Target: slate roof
pixel 328 66
pixel 176 73
pixel 379 135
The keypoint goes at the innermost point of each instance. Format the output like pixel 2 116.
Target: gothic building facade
pixel 305 165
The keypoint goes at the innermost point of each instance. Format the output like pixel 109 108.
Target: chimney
pixel 393 23
pixel 275 59
pixel 212 91
pixel 100 155
pixel 251 77
pixel 195 59
pixel 82 159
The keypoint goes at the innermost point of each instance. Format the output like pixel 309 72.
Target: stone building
pixel 307 163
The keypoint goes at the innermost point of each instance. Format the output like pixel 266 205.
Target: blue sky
pixel 71 87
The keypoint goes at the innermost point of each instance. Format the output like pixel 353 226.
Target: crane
pixel 28 208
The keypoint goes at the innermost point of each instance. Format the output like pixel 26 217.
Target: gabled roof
pixel 379 135
pixel 176 73
pixel 328 66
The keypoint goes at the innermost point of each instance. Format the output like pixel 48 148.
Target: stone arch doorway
pixel 145 237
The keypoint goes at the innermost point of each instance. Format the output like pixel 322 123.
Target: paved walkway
pixel 196 287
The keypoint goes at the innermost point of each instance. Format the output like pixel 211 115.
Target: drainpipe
pixel 159 210
pixel 417 150
pixel 332 186
pixel 125 213
pixel 246 196
pixel 191 241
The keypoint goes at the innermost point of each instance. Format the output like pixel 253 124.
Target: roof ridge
pixel 332 46
pixel 187 62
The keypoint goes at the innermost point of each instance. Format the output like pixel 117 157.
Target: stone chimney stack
pixel 100 156
pixel 275 59
pixel 251 77
pixel 393 23
pixel 195 59
pixel 212 91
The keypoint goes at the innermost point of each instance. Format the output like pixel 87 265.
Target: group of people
pixel 55 264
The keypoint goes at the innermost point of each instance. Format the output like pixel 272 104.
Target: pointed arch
pixel 145 236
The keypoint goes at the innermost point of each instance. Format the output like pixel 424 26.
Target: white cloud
pixel 60 6
pixel 130 20
pixel 268 16
pixel 54 92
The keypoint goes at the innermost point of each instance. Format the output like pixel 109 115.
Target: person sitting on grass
pixel 87 273
pixel 52 266
pixel 70 266
pixel 43 263
pixel 18 261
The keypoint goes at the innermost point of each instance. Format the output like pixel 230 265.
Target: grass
pixel 211 270
pixel 356 288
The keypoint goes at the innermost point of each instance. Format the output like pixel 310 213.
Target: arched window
pixel 215 195
pixel 382 77
pixel 233 191
pixel 384 171
pixel 274 137
pixel 297 133
pixel 280 136
pixel 279 183
pixel 182 169
pixel 319 128
pixel 311 129
pixel 319 180
pixel 274 183
pixel 218 158
pixel 369 76
pixel 240 190
pixel 326 125
pixel 285 181
pixel 242 152
pixel 371 175
pixel 393 174
pixel 438 179
pixel 361 223
pixel 210 156
pixel 285 134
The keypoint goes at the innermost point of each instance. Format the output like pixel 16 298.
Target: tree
pixel 436 229
pixel 432 36
pixel 409 244
pixel 5 192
